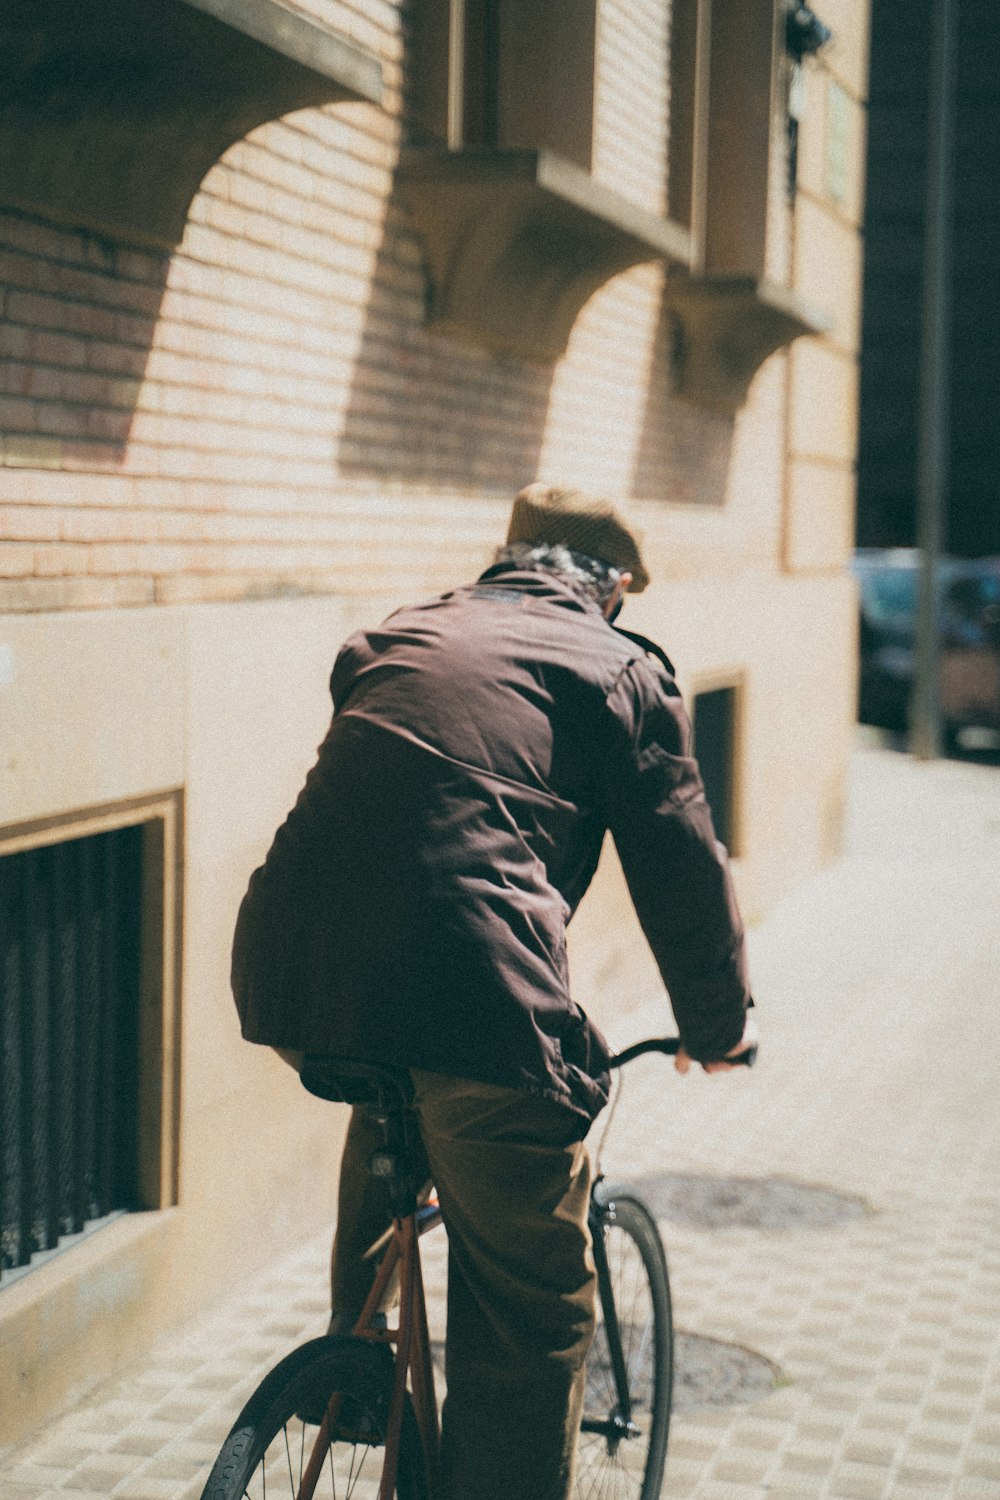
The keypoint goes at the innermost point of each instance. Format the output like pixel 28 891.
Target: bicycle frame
pixel 400 1254
pixel 411 1338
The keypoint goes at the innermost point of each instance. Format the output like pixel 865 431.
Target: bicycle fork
pixel 619 1425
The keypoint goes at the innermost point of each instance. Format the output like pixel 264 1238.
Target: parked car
pixel 969 665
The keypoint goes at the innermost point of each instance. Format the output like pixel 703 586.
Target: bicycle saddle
pixel 346 1080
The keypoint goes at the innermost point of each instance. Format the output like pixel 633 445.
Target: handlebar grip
pixel 667 1044
pixel 670 1044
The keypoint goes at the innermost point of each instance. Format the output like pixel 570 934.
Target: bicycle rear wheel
pixel 267 1452
pixel 622 1452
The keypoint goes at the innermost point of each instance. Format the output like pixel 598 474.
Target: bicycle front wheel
pixel 268 1451
pixel 626 1416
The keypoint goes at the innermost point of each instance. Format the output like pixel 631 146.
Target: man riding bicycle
pixel 412 910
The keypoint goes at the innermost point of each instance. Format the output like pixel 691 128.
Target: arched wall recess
pixel 518 240
pixel 724 329
pixel 112 111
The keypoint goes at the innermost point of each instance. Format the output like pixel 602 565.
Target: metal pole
pixel 934 440
pixel 456 74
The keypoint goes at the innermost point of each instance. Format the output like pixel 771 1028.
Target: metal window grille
pixel 70 939
pixel 714 723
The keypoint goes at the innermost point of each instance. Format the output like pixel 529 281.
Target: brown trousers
pixel 514 1186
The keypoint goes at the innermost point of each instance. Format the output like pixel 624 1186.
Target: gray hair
pixel 598 580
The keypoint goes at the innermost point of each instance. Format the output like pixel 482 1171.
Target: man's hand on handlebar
pixel 682 1061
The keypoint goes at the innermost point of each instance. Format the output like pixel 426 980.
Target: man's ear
pixel 617 599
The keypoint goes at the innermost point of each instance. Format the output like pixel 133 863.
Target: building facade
pixel 902 63
pixel 294 299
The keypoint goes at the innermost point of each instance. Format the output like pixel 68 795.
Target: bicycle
pixel 354 1417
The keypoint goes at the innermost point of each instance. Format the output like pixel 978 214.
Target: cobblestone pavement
pixel 879 983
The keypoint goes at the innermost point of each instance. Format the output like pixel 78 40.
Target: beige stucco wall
pixel 228 705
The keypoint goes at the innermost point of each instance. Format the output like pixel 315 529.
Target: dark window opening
pixel 71 923
pixel 714 722
pixel 481 122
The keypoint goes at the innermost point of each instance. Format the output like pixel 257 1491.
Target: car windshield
pixel 987 590
pixel 890 595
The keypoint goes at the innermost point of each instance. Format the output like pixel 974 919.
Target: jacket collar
pixel 544 583
pixel 540 582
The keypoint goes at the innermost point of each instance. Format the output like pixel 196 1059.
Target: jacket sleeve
pixel 677 871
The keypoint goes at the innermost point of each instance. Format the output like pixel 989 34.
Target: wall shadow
pixel 684 450
pixel 78 317
pixel 425 409
pixel 78 314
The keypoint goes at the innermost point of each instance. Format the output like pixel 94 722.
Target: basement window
pixel 86 1063
pixel 713 719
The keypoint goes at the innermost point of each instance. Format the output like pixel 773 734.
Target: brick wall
pixel 263 411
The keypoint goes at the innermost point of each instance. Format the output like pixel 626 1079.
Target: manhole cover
pixel 709 1374
pixel 750 1202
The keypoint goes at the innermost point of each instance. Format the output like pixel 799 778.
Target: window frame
pixel 158 1076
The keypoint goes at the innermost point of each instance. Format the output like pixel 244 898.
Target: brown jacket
pixel 412 908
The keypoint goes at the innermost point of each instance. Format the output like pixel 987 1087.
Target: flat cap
pixel 570 518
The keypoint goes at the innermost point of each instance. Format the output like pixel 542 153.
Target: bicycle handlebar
pixel 669 1045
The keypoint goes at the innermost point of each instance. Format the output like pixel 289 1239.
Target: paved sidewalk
pixel 878 1076
pixel 880 1001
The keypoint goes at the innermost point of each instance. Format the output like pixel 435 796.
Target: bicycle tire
pixel 269 1445
pixel 612 1460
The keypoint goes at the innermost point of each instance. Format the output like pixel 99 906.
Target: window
pixel 518 233
pixel 714 722
pixel 508 74
pixel 687 180
pixel 86 1105
pixel 515 73
pixel 722 65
